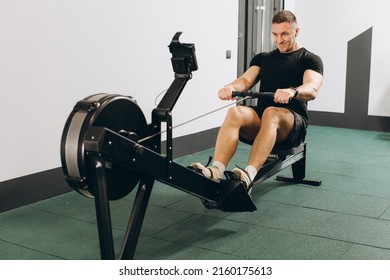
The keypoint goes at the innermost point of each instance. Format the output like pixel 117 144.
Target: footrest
pixel 233 198
pixel 299 181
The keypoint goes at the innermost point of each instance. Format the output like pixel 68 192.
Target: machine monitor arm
pixel 183 63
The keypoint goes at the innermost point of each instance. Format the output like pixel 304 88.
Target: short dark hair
pixel 284 16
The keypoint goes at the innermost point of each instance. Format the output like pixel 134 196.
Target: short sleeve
pixel 314 62
pixel 256 60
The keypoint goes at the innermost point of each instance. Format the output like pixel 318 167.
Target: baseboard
pixel 35 187
pixel 342 120
pixel 31 188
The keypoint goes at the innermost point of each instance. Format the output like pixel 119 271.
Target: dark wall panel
pixel 356 92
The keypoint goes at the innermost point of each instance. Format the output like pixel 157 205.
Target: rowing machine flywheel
pixel 115 112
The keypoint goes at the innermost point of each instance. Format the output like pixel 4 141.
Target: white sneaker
pixel 209 172
pixel 244 177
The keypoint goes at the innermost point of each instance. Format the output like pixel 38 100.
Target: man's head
pixel 285 31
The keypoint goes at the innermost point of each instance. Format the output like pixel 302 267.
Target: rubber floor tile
pixel 355 229
pixel 210 233
pixel 282 245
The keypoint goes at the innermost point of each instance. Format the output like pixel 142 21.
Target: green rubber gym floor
pixel 347 217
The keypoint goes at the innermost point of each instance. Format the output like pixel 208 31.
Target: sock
pixel 221 167
pixel 252 171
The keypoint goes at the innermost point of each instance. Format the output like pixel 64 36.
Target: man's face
pixel 284 35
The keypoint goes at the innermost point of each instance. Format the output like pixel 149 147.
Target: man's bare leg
pixel 239 117
pixel 276 126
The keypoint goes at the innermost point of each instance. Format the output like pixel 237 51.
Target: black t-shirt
pixel 284 70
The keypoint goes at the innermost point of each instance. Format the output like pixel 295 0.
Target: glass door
pixel 254 34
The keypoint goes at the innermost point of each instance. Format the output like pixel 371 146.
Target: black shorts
pixel 297 135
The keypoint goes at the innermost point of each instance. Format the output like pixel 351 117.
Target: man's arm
pixel 312 82
pixel 243 83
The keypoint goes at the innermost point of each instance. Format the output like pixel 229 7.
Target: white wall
pixel 55 53
pixel 326 28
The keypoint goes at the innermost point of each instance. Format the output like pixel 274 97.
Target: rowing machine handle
pixel 253 94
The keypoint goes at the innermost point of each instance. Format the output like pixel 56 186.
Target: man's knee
pixel 241 113
pixel 282 118
pixel 277 112
pixel 233 111
pixel 271 114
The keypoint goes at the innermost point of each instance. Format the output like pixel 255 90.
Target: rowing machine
pixel 107 148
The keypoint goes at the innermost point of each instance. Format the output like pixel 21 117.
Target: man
pixel 295 75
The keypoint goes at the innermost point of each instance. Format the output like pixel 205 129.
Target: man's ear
pixel 296 31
